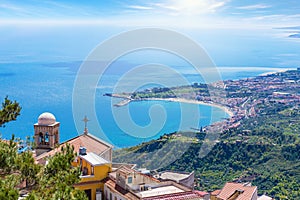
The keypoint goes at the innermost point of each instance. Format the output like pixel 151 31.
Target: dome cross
pixel 85 120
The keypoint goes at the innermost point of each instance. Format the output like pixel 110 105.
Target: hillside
pixel 263 149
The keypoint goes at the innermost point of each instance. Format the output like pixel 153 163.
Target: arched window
pixel 47 138
pixel 41 138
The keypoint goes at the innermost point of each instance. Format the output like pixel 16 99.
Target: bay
pixel 48 87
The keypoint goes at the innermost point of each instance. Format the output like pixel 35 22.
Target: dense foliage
pixel 57 178
pixel 9 112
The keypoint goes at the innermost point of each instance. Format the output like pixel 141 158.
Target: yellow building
pixel 94 155
pixel 94 169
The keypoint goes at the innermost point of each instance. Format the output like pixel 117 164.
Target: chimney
pixel 82 151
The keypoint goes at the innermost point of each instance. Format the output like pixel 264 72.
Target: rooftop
pixel 178 196
pixel 230 188
pixel 126 170
pixel 94 159
pixel 216 192
pixel 160 191
pixel 46 118
pixel 264 197
pixel 89 141
pixel 172 176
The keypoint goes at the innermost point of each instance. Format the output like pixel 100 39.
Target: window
pixel 92 170
pixel 129 180
pixel 47 138
pixel 41 138
pixel 85 171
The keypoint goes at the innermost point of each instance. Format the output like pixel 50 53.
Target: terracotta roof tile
pixel 216 192
pixel 201 193
pixel 90 142
pixel 230 188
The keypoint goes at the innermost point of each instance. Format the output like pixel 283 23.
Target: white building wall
pixel 115 196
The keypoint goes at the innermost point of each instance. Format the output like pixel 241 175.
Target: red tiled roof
pixel 230 188
pixel 90 142
pixel 201 193
pixel 216 192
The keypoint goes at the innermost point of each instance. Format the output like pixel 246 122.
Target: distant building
pixel 46 133
pixel 238 191
pixel 265 197
pixel 186 179
pixel 127 183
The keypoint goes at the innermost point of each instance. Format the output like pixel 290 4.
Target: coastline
pixel 275 72
pixel 179 100
pixel 190 101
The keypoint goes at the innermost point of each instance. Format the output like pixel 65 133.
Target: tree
pixel 28 168
pixel 8 189
pixel 9 112
pixel 58 177
pixel 8 155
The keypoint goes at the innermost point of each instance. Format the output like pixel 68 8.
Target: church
pixel 94 156
pixel 46 134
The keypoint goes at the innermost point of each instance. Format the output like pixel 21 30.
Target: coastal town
pixel 239 98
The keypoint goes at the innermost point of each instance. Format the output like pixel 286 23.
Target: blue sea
pixel 48 87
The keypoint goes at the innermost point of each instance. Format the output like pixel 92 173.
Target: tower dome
pixel 46 119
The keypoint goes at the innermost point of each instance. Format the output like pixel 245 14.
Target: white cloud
pixel 254 7
pixel 192 7
pixel 138 7
pixel 180 7
pixel 158 13
pixel 11 7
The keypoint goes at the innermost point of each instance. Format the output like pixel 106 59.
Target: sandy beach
pixel 181 100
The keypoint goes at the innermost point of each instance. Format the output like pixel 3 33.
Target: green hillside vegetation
pixel 263 150
pixel 189 92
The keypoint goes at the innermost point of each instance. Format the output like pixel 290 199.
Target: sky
pixel 34 30
pixel 158 12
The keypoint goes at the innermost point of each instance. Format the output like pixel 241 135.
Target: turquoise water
pixel 41 87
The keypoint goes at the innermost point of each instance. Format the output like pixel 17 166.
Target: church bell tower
pixel 46 133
